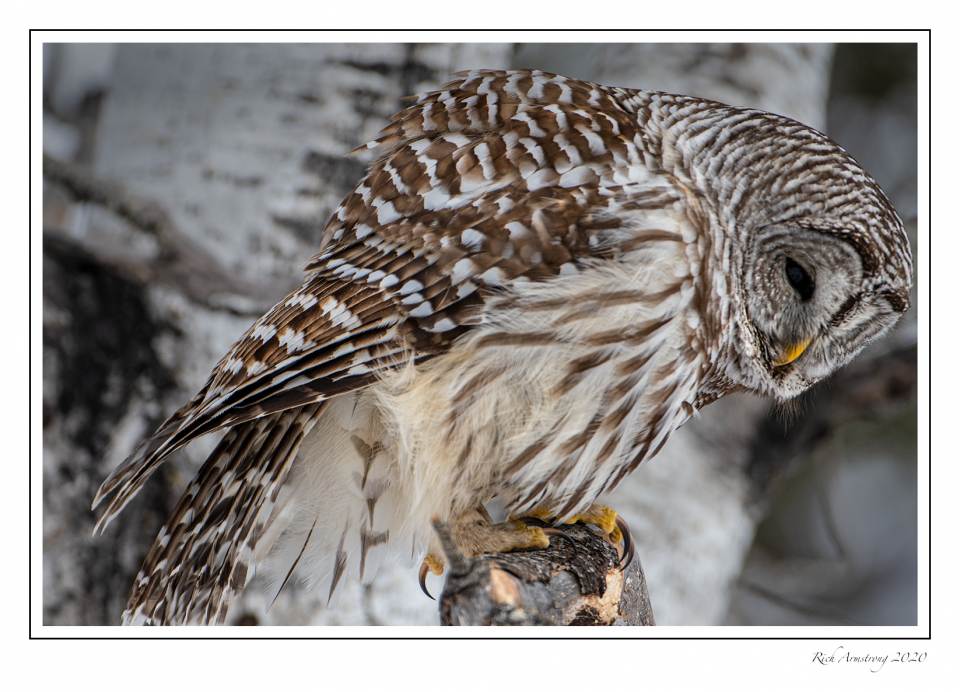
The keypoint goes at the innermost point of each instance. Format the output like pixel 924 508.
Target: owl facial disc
pixel 813 299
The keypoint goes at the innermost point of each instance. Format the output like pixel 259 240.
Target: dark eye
pixel 799 279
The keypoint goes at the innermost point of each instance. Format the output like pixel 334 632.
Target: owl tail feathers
pixel 125 481
pixel 203 554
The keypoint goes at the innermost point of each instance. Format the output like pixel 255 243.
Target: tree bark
pixel 578 580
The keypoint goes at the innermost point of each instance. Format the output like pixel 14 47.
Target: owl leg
pixel 475 534
pixel 613 527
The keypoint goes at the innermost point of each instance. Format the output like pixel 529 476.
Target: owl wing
pixel 496 178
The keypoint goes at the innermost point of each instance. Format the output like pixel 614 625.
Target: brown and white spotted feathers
pixel 535 283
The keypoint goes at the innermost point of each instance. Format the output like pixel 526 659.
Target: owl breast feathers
pixel 535 283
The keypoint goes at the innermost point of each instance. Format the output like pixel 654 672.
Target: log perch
pixel 576 581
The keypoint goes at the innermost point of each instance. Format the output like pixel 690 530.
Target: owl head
pixel 813 298
pixel 824 263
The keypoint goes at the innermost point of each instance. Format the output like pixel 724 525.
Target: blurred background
pixel 185 186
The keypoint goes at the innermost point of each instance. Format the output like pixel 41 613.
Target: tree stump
pixel 576 581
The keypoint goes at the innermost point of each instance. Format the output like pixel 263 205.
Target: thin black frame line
pixel 454 638
pixel 559 31
pixel 29 335
pixel 929 634
pixel 929 333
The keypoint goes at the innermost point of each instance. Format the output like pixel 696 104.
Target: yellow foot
pixel 611 525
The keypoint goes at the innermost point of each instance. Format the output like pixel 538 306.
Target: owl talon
pixel 628 545
pixel 423 581
pixel 431 563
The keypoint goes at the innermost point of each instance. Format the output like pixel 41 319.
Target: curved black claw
pixel 628 547
pixel 423 580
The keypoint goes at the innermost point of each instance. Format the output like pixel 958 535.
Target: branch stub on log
pixel 576 581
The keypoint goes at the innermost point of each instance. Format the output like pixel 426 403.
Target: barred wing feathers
pixel 497 177
pixel 290 357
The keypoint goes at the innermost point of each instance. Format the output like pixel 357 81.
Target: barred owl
pixel 537 280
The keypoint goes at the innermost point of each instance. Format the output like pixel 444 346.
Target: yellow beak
pixel 792 352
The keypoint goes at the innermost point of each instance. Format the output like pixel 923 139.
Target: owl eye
pixel 799 279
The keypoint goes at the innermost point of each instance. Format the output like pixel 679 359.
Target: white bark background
pixel 244 149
